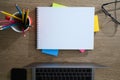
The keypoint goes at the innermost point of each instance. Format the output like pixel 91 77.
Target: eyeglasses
pixel 108 14
pixel 111 11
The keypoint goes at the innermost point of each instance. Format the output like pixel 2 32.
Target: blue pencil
pixel 19 10
pixel 9 26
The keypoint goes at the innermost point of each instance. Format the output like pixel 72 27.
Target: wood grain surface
pixel 18 51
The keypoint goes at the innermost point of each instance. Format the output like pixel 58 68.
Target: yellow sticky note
pixel 96 23
pixel 57 5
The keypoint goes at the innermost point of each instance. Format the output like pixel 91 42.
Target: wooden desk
pixel 18 51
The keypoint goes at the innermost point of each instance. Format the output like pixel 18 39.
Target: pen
pixel 3 12
pixel 19 10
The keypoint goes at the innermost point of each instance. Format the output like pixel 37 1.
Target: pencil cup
pixel 20 26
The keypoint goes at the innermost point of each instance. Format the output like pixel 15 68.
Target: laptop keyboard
pixel 63 74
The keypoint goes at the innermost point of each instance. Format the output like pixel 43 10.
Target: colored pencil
pixel 12 22
pixel 25 18
pixel 27 13
pixel 3 12
pixel 19 10
pixel 8 26
pixel 23 14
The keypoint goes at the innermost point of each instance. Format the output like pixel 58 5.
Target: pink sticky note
pixel 82 50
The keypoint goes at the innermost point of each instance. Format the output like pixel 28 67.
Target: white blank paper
pixel 65 28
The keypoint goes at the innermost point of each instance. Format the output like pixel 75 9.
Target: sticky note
pixel 96 23
pixel 57 5
pixel 53 52
pixel 82 50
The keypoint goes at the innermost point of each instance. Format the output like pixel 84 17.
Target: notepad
pixel 62 28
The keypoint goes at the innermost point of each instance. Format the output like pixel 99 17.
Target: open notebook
pixel 65 28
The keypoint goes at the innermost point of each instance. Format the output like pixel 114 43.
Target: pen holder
pixel 20 26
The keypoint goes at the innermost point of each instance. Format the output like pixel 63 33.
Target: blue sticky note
pixel 53 52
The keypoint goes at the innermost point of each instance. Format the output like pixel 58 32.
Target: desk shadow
pixel 7 37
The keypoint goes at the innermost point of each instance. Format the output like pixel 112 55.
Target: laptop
pixel 63 71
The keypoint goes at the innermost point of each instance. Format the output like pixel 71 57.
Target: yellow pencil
pixel 27 13
pixel 3 12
